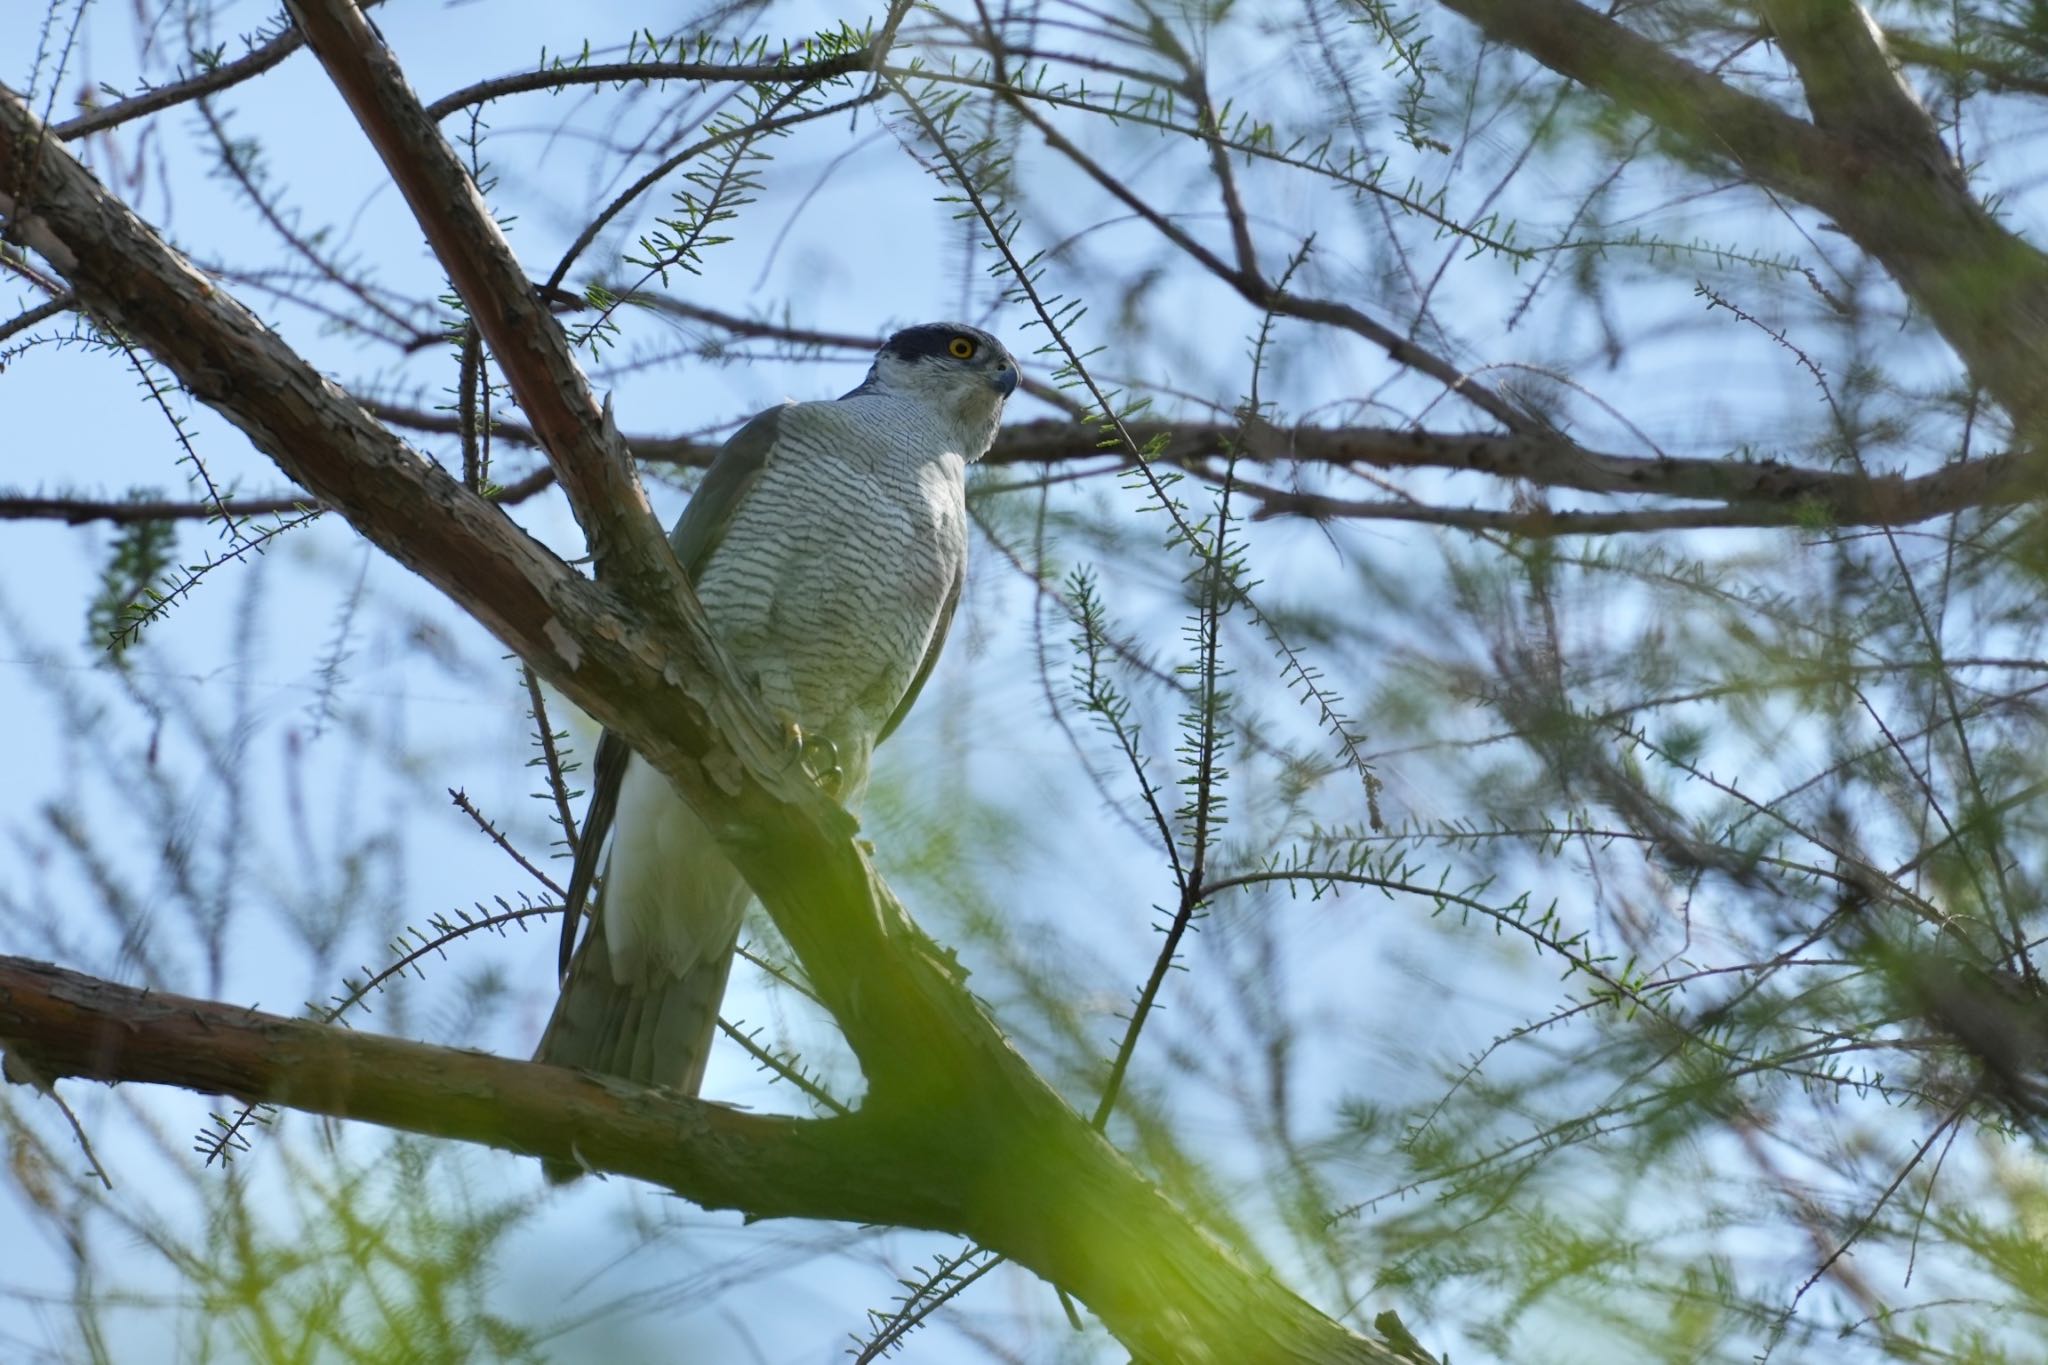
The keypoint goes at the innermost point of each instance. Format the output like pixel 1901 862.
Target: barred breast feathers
pixel 830 584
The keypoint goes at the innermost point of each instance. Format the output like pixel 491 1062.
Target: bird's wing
pixel 607 772
pixel 698 532
pixel 726 484
pixel 931 654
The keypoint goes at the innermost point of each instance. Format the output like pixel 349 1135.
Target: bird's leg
pixel 819 755
pixel 821 760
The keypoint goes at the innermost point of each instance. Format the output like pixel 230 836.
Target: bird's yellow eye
pixel 961 348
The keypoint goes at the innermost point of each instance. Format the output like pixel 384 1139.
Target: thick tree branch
pixel 56 1023
pixel 1897 197
pixel 945 1088
pixel 1850 83
pixel 1717 120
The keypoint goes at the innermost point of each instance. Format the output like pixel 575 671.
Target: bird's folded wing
pixel 698 532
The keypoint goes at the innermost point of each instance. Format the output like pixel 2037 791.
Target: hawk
pixel 828 544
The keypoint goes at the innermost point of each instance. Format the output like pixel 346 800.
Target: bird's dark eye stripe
pixel 917 343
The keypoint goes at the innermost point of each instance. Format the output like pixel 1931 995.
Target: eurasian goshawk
pixel 828 543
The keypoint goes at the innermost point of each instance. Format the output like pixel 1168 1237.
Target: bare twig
pixel 497 836
pixel 652 72
pixel 61 302
pixel 255 62
pixel 78 511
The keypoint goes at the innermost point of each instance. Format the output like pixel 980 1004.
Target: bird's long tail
pixel 657 1034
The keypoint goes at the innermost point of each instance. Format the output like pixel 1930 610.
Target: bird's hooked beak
pixel 1004 381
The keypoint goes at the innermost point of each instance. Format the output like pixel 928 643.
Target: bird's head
pixel 960 370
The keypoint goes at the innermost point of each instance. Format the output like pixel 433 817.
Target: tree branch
pixel 61 302
pixel 652 73
pixel 254 62
pixel 1263 294
pixel 1742 492
pixel 1949 59
pixel 1775 495
pixel 530 347
pixel 1843 496
pixel 77 511
pixel 1850 83
pixel 56 1023
pixel 1898 198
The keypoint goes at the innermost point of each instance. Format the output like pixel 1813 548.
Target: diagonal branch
pixel 257 60
pixel 1871 168
pixel 1262 293
pixel 528 344
pixel 1717 120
